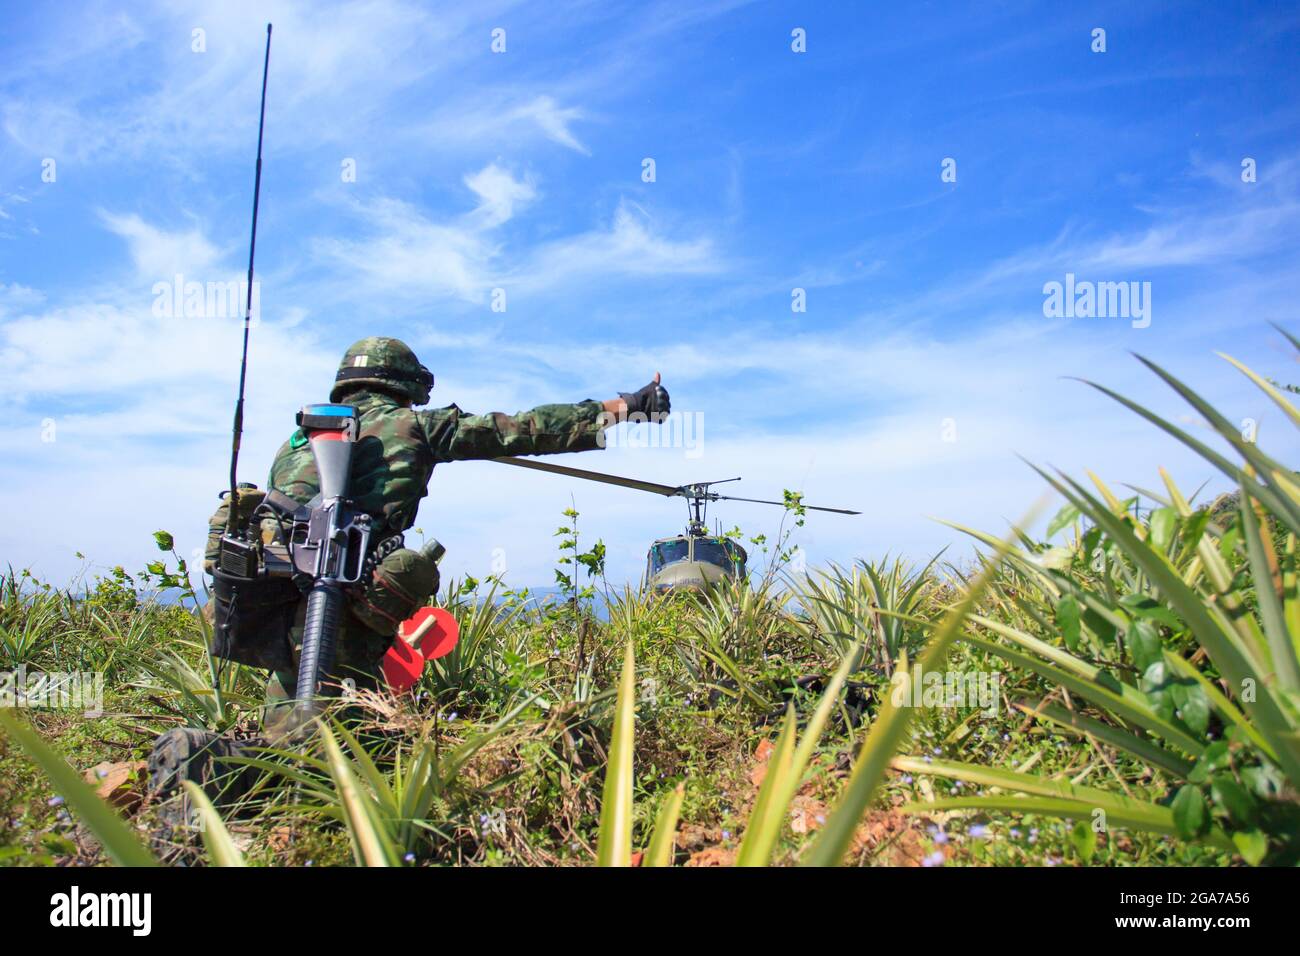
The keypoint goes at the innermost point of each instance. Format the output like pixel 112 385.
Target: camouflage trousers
pixel 403 582
pixel 358 657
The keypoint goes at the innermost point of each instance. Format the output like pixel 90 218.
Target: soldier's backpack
pixel 251 616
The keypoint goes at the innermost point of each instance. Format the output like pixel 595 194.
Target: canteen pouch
pixel 401 583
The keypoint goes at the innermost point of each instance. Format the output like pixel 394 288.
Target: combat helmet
pixel 383 363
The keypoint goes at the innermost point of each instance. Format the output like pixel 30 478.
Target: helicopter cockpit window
pixel 666 552
pixel 720 553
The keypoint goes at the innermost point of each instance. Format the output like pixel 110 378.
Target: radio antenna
pixel 232 516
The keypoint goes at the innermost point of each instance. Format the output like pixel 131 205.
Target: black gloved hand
pixel 650 401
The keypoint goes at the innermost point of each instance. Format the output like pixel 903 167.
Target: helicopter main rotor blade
pixel 666 490
pixel 760 501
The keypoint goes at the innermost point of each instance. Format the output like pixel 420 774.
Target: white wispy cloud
pixel 633 244
pixel 159 253
pixel 499 194
pixel 553 120
pixel 406 252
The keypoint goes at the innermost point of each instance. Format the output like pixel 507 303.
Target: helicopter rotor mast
pixel 697 494
pixel 697 497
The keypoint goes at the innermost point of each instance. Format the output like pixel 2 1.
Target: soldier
pixel 397 448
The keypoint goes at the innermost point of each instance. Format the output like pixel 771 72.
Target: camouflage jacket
pixel 398 447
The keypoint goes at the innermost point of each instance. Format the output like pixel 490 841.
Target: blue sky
pixel 522 171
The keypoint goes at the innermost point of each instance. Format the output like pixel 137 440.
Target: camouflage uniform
pixel 394 457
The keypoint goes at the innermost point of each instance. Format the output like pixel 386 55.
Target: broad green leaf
pixel 1216 756
pixel 1067 516
pixel 1252 845
pixel 1143 606
pixel 767 818
pixel 1267 388
pixel 614 845
pixel 1145 644
pixel 785 770
pixel 1232 796
pixel 1084 840
pixel 1067 619
pixel 1190 816
pixel 371 843
pixel 1194 711
pixel 1163 523
pixel 1287 335
pixel 216 838
pixel 1261 556
pixel 660 851
pixel 1291 593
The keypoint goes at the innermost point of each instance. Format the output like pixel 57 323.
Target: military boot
pixel 199 756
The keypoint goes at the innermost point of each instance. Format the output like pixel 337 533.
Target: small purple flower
pixel 726 834
pixel 55 801
pixel 934 859
pixel 1015 833
pixel 409 858
pixel 907 778
pixel 978 831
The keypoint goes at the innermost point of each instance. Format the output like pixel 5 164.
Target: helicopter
pixel 694 561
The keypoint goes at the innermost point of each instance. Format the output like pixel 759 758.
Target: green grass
pixel 1146 710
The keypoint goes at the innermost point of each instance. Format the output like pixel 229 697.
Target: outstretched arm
pixel 653 399
pixel 545 430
